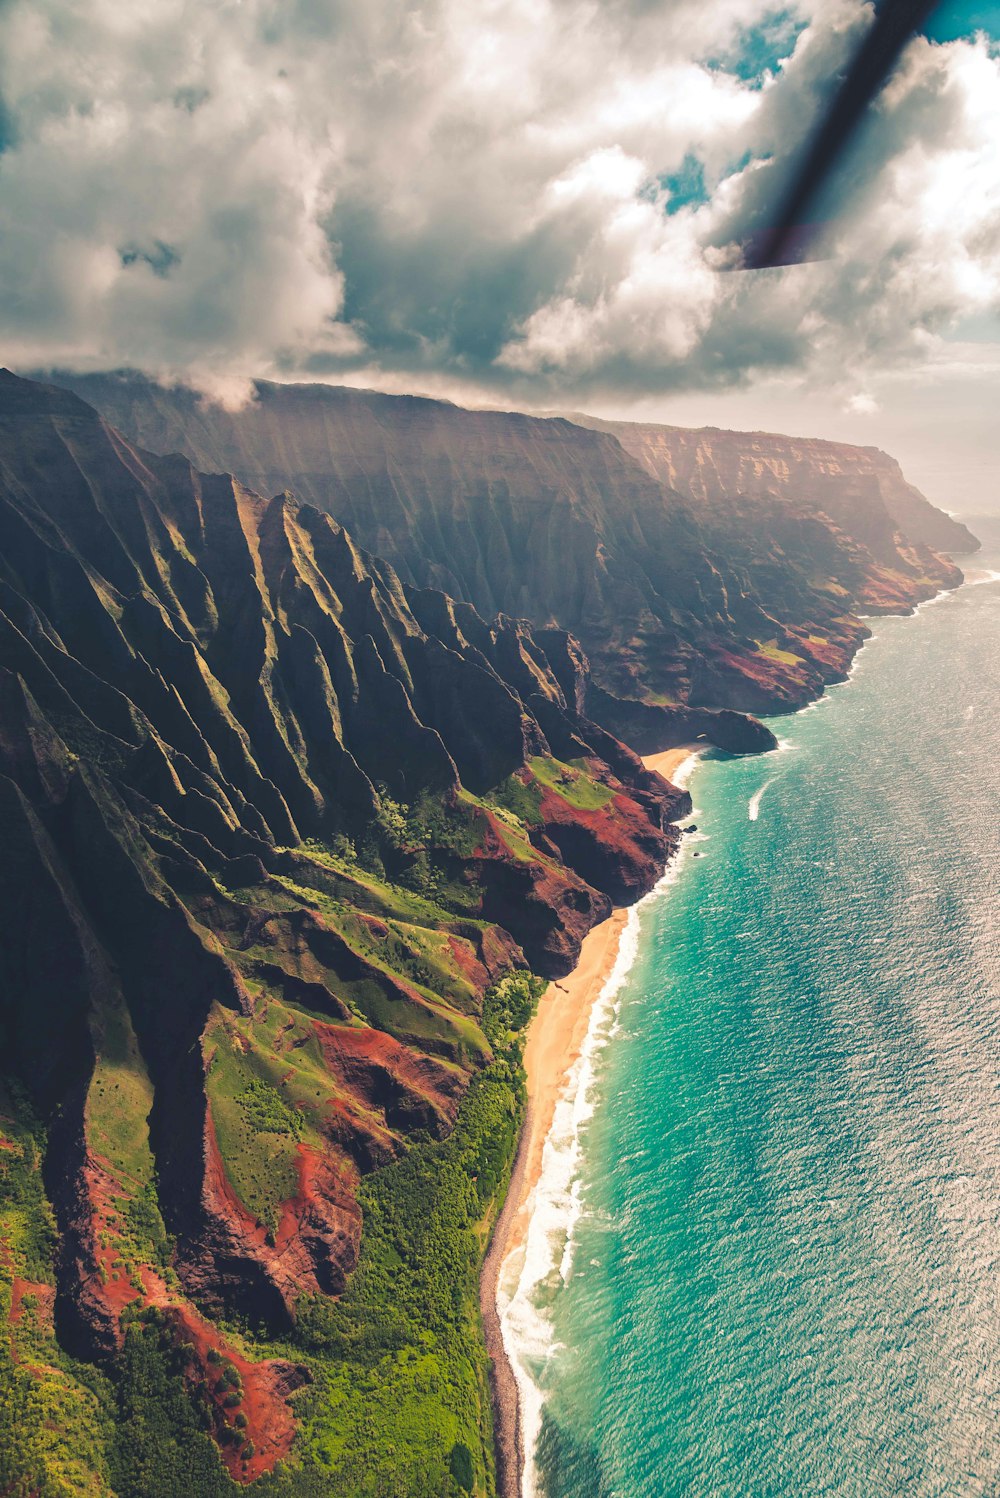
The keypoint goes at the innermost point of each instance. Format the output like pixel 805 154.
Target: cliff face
pixel 274 821
pixel 861 488
pixel 748 605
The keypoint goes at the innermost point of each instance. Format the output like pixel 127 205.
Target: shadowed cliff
pixel 749 605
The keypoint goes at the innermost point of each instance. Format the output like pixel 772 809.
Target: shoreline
pixel 581 990
pixel 555 1042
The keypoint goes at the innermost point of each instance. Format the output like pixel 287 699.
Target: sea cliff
pixel 292 837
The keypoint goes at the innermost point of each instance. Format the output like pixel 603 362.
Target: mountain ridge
pixel 714 464
pixel 674 602
pixel 260 915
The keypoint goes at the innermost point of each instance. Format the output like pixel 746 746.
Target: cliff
pixel 861 488
pixel 278 829
pixel 750 605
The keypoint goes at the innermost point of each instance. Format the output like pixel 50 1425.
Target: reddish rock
pixel 409 1090
pixel 231 1258
pixel 265 1391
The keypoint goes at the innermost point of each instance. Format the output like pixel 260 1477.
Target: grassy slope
pixel 398 1406
pixel 399 1403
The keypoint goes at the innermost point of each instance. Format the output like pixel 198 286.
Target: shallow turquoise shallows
pixel 786 1277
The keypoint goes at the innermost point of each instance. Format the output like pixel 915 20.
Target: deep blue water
pixel 786 1277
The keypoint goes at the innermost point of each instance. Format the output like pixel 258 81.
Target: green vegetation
pixel 28 1229
pixel 397 950
pixel 55 1413
pixel 771 649
pixel 429 843
pixel 520 799
pixel 160 1447
pixel 570 780
pixel 400 935
pixel 268 1088
pixel 403 1381
pixel 143 1239
pixel 266 1110
pixel 120 1098
pixel 461 1466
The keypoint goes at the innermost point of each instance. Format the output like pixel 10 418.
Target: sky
pixel 529 203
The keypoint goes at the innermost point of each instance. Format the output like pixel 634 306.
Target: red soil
pixel 367 1061
pixel 265 1390
pixel 318 1229
pixel 468 964
pixel 618 826
pixel 492 844
pixel 45 1296
pixel 109 1285
pixel 266 1385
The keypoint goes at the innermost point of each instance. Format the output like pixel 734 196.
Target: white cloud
pixel 164 198
pixel 472 191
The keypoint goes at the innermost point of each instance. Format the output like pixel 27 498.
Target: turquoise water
pixel 786 1275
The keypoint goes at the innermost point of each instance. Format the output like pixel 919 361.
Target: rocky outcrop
pixel 651 728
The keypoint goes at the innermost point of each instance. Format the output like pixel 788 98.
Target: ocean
pixel 768 1245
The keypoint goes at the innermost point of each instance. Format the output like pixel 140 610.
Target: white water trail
pixel 530 1276
pixel 753 809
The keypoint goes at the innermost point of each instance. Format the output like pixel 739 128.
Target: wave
pixel 685 769
pixel 529 1276
pixel 980 579
pixel 811 707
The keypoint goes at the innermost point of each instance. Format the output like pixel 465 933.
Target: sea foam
pixel 980 579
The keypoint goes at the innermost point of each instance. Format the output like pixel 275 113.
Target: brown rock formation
pixel 862 489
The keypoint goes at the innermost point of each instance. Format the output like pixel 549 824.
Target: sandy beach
pixel 555 1038
pixel 669 761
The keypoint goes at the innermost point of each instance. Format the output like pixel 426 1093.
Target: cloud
pixel 475 194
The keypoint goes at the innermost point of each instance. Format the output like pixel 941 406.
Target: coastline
pixel 556 1039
